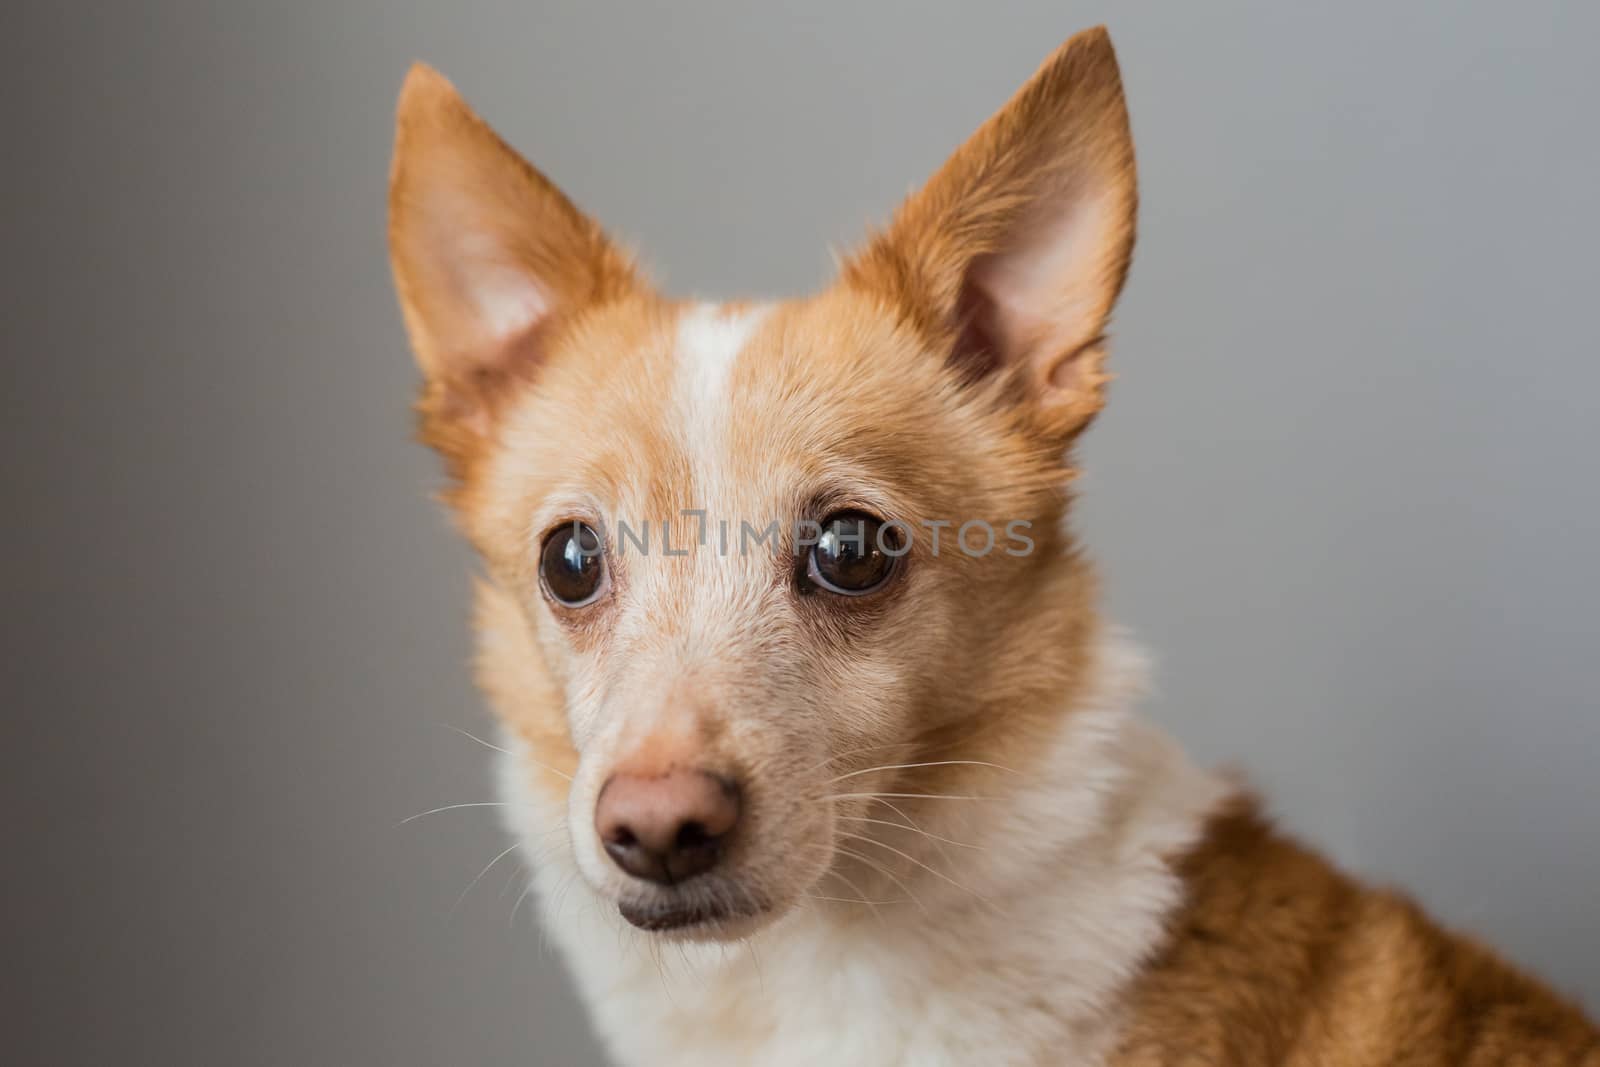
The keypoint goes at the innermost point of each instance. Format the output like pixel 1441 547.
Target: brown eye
pixel 572 564
pixel 854 553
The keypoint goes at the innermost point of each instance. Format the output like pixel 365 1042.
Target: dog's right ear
pixel 489 257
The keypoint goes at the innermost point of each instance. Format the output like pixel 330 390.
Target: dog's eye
pixel 854 553
pixel 572 564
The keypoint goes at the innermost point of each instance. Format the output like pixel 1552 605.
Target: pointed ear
pixel 488 255
pixel 1014 252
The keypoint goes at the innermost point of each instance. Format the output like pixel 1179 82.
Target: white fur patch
pixel 1077 892
pixel 710 338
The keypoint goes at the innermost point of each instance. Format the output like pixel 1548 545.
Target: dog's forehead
pixel 648 409
pixel 668 413
pixel 773 403
pixel 708 342
pixel 745 414
pixel 750 412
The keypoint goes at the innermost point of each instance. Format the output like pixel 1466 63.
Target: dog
pixel 815 739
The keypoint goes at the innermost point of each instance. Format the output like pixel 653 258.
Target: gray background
pixel 1346 488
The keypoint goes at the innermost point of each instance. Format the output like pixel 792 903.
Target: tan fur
pixel 944 375
pixel 1277 958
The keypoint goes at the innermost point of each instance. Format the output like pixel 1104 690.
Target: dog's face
pixel 756 559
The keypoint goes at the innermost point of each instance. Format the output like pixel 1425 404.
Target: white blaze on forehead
pixel 710 338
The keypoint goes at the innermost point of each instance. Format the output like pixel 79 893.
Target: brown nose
pixel 666 828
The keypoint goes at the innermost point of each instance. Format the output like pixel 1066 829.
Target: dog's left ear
pixel 1012 255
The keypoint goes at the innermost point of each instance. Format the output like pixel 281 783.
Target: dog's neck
pixel 1067 889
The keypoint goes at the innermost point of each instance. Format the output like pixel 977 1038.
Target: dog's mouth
pixel 687 915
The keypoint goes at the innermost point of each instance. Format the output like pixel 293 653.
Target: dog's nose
pixel 666 828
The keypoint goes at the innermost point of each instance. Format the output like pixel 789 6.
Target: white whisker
pixel 850 900
pixel 514 907
pixel 475 737
pixel 479 878
pixel 453 807
pixel 912 859
pixel 860 751
pixel 913 829
pixel 886 872
pixel 545 766
pixel 835 873
pixel 911 766
pixel 900 796
pixel 909 821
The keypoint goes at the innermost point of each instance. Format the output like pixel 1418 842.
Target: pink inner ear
pixel 1044 295
pixel 495 300
pixel 509 303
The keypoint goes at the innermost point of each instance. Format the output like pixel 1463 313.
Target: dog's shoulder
pixel 1276 957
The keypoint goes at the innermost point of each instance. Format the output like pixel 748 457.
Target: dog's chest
pixel 822 995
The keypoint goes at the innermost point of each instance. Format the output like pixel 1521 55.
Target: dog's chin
pixel 687 916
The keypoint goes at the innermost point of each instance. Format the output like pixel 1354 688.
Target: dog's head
pixel 759 559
